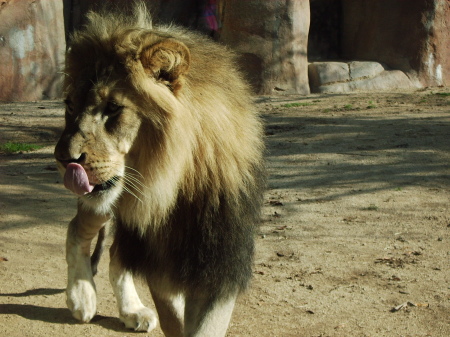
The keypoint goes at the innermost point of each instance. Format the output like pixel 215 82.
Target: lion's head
pixel 124 89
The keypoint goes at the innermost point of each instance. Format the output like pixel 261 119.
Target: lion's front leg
pixel 131 310
pixel 81 294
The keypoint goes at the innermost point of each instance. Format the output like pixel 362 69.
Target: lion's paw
pixel 82 300
pixel 143 319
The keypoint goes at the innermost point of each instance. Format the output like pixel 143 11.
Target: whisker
pixel 136 182
pixel 134 170
pixel 132 181
pixel 127 189
pixel 131 192
pixel 132 185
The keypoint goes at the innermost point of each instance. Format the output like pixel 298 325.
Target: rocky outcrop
pixel 32 48
pixel 412 36
pixel 271 37
pixel 411 39
pixel 339 77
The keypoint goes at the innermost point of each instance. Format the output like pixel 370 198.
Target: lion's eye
pixel 112 109
pixel 69 105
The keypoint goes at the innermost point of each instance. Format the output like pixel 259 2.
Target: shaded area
pixel 39 313
pixel 355 147
pixel 405 143
pixel 33 122
pixel 58 316
pixel 53 315
pixel 31 178
pixel 35 292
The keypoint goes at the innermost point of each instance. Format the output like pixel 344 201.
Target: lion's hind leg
pixel 131 310
pixel 170 309
pixel 205 317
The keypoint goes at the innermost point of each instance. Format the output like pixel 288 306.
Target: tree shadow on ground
pixel 376 153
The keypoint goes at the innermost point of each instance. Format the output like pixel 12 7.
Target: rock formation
pixel 353 44
pixel 272 39
pixel 32 48
pixel 338 77
pixel 412 36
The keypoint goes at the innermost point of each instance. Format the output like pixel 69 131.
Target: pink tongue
pixel 77 180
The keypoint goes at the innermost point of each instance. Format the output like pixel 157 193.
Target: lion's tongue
pixel 77 180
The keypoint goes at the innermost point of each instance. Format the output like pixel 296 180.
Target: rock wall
pixel 271 36
pixel 187 13
pixel 272 39
pixel 408 36
pixel 32 48
pixel 75 11
pixel 412 36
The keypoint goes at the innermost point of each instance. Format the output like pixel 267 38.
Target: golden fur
pixel 164 126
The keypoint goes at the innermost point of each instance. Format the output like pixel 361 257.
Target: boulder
pixel 32 48
pixel 324 73
pixel 340 77
pixel 361 70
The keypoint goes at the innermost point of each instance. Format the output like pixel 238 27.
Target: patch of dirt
pixel 354 239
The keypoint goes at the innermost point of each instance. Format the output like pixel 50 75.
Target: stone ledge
pixel 339 77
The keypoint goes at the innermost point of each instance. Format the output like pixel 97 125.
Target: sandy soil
pixel 356 222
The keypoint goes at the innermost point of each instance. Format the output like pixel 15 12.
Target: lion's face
pixel 120 99
pixel 101 127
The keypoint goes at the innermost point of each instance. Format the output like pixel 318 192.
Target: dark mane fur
pixel 202 246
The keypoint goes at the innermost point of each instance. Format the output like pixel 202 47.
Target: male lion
pixel 161 139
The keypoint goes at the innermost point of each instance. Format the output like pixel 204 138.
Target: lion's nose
pixel 80 160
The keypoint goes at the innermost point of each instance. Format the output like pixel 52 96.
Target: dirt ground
pixel 356 222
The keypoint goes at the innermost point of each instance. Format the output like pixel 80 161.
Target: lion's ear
pixel 167 61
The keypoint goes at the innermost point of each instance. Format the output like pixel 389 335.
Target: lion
pixel 161 140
